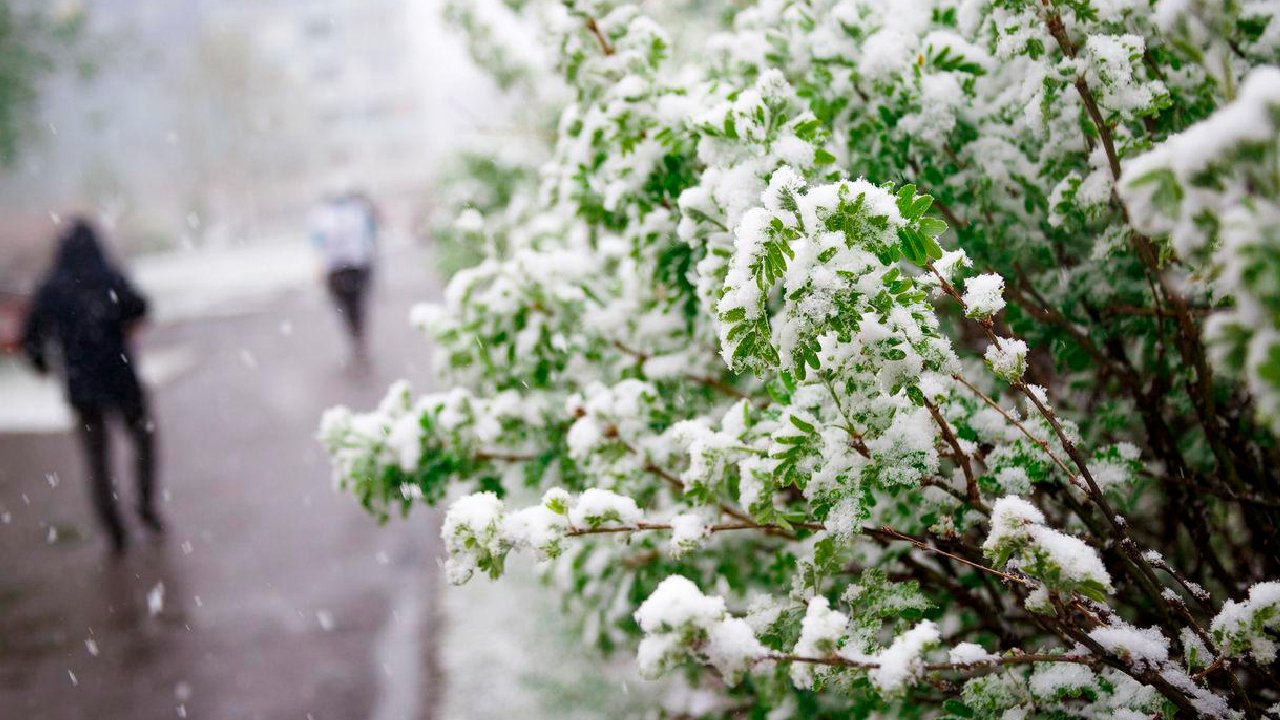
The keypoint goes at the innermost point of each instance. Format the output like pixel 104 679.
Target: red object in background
pixel 13 309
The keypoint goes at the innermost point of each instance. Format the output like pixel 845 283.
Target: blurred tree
pixel 28 39
pixel 20 65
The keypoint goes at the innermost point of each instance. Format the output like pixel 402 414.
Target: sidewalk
pixel 271 596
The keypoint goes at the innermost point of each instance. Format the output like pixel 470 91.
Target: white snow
pixel 471 527
pixel 820 630
pixel 901 663
pixel 984 295
pixel 677 603
pixel 155 599
pixel 1111 60
pixel 1239 623
pixel 1050 678
pixel 1140 646
pixel 596 506
pixel 469 221
pixel 1246 119
pixel 35 403
pixel 537 527
pixel 732 646
pixel 951 262
pixel 688 532
pixel 968 653
pixel 1007 358
pixel 215 282
pixel 1018 525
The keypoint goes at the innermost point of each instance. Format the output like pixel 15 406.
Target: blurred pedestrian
pixel 344 227
pixel 87 309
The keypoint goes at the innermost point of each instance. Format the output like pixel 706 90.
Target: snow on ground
pixel 32 403
pixel 400 654
pixel 507 646
pixel 211 282
pixel 508 651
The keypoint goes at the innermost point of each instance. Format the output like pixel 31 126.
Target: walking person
pixel 344 228
pixel 87 309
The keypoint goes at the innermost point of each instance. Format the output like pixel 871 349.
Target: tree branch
pixel 962 459
pixel 594 29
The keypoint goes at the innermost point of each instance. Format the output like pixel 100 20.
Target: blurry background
pixel 199 134
pixel 198 123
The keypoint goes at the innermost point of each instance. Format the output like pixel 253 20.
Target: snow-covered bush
pixel 907 358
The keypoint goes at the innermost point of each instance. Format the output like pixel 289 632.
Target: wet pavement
pixel 271 596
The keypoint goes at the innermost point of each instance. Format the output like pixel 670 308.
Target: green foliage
pixel 887 359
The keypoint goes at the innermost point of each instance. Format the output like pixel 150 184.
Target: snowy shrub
pixel 895 358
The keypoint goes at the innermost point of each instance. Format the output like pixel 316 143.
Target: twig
pixel 962 459
pixel 643 526
pixel 994 663
pixel 594 29
pixel 887 531
pixel 1042 444
pixel 710 382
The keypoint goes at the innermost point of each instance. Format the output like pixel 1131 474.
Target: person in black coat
pixel 87 309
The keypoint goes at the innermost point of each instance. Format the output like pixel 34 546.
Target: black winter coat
pixel 86 308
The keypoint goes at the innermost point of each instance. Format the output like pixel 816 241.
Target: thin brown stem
pixel 1038 442
pixel 594 29
pixel 993 663
pixel 962 459
pixel 643 526
pixel 886 531
pixel 713 383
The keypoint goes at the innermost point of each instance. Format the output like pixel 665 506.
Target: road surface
pixel 271 596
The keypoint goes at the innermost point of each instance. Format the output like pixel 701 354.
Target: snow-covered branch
pixel 899 326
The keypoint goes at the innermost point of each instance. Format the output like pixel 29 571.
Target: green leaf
pixel 912 245
pixel 804 426
pixel 932 250
pixel 1093 590
pixel 921 206
pixel 806 129
pixel 788 381
pixel 1167 194
pixel 730 129
pixel 931 226
pixel 557 506
pixel 905 193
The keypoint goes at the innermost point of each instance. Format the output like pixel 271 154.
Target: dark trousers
pixel 93 437
pixel 349 286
